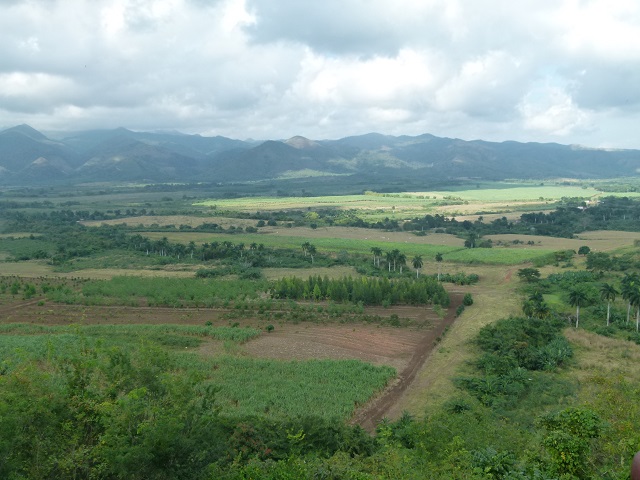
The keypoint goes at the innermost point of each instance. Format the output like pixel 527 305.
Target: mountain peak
pixel 27 131
pixel 301 143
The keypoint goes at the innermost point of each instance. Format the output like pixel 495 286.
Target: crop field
pixel 292 365
pixel 492 197
pixel 175 220
pixel 246 386
pixel 496 256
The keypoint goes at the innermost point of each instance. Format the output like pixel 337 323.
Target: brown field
pixel 351 233
pixel 331 272
pixel 177 220
pixel 39 268
pixel 601 240
pixel 469 211
pixel 490 217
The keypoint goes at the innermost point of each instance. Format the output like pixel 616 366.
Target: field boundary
pixel 376 409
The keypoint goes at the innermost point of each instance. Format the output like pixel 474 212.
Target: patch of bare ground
pixel 370 343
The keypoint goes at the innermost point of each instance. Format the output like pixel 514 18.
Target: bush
pixel 467 300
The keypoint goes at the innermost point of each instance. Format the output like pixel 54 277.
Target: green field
pixel 406 204
pixel 246 387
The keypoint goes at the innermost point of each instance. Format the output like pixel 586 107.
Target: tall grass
pixel 328 388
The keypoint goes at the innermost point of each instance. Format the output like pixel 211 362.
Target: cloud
pixel 275 68
pixel 551 110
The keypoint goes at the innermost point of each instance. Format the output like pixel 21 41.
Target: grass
pixel 496 256
pixel 493 299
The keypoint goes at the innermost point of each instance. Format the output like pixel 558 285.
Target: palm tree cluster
pixel 630 290
pixel 396 260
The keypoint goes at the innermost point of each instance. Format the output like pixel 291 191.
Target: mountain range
pixel 28 157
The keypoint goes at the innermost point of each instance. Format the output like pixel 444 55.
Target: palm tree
pixel 634 301
pixel 377 253
pixel 439 260
pixel 402 260
pixel 396 256
pixel 578 298
pixel 390 258
pixel 608 292
pixel 312 251
pixel 629 284
pixel 417 264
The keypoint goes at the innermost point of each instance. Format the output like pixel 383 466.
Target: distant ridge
pixel 27 157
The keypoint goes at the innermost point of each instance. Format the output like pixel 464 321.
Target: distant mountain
pixel 30 157
pixel 22 145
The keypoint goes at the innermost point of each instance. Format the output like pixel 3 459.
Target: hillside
pixel 29 157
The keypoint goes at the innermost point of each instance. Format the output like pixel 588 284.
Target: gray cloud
pixel 529 70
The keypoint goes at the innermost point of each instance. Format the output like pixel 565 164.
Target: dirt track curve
pixel 371 414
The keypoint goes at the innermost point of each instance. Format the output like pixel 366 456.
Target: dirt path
pixel 369 416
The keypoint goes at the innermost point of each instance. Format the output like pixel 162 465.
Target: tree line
pixel 365 290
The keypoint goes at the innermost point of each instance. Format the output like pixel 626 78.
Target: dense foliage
pixel 369 291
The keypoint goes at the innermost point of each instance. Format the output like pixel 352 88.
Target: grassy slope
pixel 493 299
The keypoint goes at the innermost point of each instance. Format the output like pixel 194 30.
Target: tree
pixel 630 283
pixel 634 301
pixel 608 292
pixel 389 257
pixel 584 250
pixel 439 260
pixel 305 248
pixel 377 253
pixel 312 251
pixel 578 298
pixel 471 240
pixel 395 254
pixel 417 264
pixel 401 259
pixel 529 274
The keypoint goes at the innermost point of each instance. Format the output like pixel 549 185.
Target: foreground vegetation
pixel 546 394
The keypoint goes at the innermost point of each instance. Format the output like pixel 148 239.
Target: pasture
pixel 496 197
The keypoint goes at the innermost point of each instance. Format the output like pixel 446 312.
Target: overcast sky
pixel 564 71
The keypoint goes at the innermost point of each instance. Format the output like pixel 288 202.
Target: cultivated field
pixel 501 198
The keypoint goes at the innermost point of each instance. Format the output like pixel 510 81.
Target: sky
pixel 565 71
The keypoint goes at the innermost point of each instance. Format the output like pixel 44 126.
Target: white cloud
pixel 552 111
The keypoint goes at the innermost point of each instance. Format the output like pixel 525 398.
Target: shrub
pixel 467 300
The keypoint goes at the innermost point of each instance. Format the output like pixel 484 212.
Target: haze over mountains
pixel 28 157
